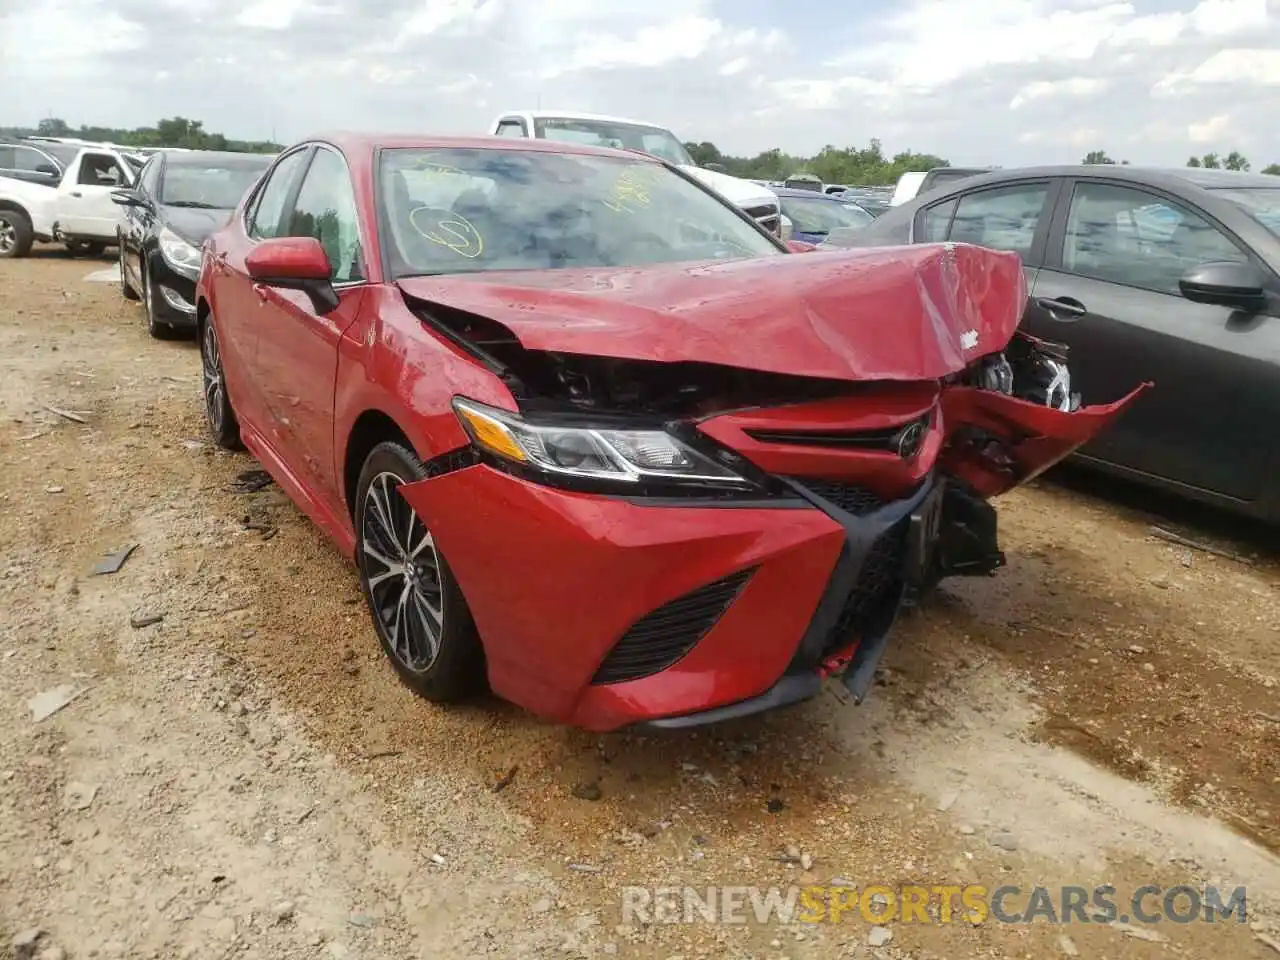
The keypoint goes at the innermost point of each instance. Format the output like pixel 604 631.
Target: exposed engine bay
pixel 1028 369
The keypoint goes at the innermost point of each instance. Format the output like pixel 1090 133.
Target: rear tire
pixel 16 235
pixel 421 618
pixel 223 424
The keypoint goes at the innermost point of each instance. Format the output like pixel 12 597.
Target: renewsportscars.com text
pixel 933 904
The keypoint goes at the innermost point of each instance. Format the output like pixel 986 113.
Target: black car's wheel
pixel 418 610
pixel 217 406
pixel 155 326
pixel 16 235
pixel 126 288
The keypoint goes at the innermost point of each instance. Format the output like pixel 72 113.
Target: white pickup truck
pixel 757 201
pixel 45 197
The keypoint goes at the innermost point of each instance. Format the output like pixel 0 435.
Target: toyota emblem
pixel 908 440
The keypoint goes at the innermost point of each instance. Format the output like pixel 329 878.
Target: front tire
pixel 223 424
pixel 421 618
pixel 16 235
pixel 126 288
pixel 155 326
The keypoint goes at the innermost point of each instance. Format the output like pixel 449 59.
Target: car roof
pixel 361 142
pixel 541 114
pixel 1157 176
pixel 193 158
pixel 800 192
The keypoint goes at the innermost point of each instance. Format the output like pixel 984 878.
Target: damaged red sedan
pixel 593 437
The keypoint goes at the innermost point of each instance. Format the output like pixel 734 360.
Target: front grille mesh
pixel 848 497
pixel 876 592
pixel 661 638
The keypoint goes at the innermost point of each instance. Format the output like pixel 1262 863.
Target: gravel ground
pixel 238 773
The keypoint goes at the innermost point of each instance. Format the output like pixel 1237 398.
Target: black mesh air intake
pixel 661 638
pixel 846 496
pixel 877 592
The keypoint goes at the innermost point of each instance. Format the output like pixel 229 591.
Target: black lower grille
pixel 848 497
pixel 876 594
pixel 661 638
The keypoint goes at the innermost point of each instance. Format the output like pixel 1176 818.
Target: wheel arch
pixel 14 207
pixel 369 429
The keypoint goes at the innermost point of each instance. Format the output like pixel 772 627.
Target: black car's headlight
pixel 182 256
pixel 625 456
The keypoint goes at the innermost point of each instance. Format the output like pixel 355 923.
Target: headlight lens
pixel 630 456
pixel 181 255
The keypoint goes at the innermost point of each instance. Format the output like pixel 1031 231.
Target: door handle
pixel 1063 305
pixel 76 193
pixel 263 292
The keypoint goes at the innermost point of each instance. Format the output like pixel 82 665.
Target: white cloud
pixel 1212 130
pixel 980 81
pixel 1046 89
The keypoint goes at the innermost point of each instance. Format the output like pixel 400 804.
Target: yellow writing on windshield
pixel 630 192
pixel 450 230
pixel 430 168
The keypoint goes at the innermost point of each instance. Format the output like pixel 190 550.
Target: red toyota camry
pixel 593 437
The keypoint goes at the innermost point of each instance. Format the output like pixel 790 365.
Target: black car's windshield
pixel 213 184
pixel 822 216
pixel 1263 203
pixel 609 133
pixel 457 210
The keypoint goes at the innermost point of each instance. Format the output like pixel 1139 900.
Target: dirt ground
pixel 244 777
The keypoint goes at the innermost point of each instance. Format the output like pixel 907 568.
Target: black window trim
pixel 1039 241
pixel 1058 237
pixel 518 121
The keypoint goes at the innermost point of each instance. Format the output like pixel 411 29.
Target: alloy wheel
pixel 8 237
pixel 403 572
pixel 211 376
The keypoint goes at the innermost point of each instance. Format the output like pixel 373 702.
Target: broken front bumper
pixel 605 612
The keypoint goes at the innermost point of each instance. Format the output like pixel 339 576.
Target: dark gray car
pixel 1171 276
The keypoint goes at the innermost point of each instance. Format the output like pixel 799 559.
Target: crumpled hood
pixel 889 313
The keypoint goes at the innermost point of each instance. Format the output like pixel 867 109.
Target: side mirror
pixel 294 263
pixel 786 228
pixel 799 246
pixel 1226 283
pixel 48 169
pixel 127 198
pixel 715 167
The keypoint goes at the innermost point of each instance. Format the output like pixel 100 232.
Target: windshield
pixel 621 136
pixel 63 153
pixel 822 216
pixel 213 184
pixel 1263 203
pixel 468 211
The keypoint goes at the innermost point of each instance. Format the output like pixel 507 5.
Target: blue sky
pixel 982 81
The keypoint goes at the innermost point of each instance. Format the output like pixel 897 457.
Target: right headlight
pixel 598 453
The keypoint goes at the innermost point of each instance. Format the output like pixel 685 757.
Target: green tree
pixel 169 132
pixel 1193 162
pixel 1273 169
pixel 1235 161
pixel 1210 161
pixel 53 127
pixel 1097 156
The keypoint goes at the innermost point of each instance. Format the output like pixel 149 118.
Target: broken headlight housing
pixel 599 453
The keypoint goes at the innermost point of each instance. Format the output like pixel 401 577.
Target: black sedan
pixel 1171 276
pixel 180 198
